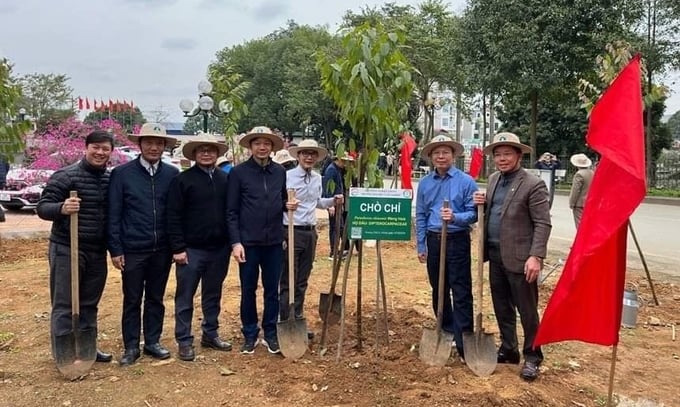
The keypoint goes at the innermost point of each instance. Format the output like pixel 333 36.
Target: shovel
pixel 480 347
pixel 293 332
pixel 435 344
pixel 330 304
pixel 76 352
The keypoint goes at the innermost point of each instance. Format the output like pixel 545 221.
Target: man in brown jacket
pixel 580 185
pixel 517 226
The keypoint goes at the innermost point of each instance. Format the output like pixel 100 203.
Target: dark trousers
pixel 209 267
pixel 457 314
pixel 510 293
pixel 332 230
pixel 304 249
pixel 92 279
pixel 145 277
pixel 268 259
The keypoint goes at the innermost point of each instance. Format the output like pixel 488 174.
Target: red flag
pixel 407 148
pixel 80 103
pixel 87 103
pixel 587 301
pixel 476 162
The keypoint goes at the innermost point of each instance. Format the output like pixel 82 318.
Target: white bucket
pixel 630 309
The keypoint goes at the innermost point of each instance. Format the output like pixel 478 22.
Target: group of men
pixel 516 231
pixel 148 215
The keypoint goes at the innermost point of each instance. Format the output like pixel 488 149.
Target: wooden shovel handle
pixel 442 269
pixel 75 286
pixel 291 252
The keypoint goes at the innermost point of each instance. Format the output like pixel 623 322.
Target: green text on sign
pixel 380 214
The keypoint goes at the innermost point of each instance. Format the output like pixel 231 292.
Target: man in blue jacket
pixel 256 201
pixel 138 242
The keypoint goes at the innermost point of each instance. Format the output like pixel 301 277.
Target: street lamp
pixel 206 105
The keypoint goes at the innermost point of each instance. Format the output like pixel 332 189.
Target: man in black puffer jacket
pixel 90 179
pixel 138 241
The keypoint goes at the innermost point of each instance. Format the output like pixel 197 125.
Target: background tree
pixel 371 84
pixel 674 125
pixel 285 90
pixel 128 117
pixel 47 96
pixel 11 131
pixel 539 48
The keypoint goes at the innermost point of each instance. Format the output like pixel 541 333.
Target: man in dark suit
pixel 517 226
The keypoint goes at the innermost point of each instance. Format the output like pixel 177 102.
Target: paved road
pixel 657 228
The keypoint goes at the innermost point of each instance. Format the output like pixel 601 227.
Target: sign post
pixel 380 214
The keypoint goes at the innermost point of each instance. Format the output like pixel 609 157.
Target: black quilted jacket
pixel 92 184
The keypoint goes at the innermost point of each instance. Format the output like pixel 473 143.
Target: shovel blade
pixel 335 309
pixel 435 347
pixel 480 352
pixel 292 335
pixel 75 353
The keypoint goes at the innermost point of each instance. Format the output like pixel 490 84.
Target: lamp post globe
pixel 206 105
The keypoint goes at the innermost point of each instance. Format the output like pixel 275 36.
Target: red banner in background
pixel 405 165
pixel 476 159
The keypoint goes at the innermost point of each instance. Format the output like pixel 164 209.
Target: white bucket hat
pixel 189 148
pixel 264 132
pixel 442 140
pixel 580 161
pixel 282 157
pixel 506 139
pixel 308 145
pixel 153 130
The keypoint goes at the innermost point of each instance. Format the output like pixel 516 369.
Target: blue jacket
pixel 256 200
pixel 137 208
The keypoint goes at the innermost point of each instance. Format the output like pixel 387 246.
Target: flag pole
pixel 610 402
pixel 644 262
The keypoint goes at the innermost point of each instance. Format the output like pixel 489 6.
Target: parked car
pixel 23 188
pixel 128 154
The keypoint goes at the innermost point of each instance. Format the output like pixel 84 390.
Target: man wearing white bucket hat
pixel 138 240
pixel 197 228
pixel 256 201
pixel 517 225
pixel 307 185
pixel 447 183
pixel 580 185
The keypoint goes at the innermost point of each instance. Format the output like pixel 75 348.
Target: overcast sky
pixel 153 52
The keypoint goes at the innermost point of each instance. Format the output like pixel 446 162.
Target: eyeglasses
pixel 206 150
pixel 309 153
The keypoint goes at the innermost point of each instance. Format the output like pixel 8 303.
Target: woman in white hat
pixel 580 185
pixel 307 185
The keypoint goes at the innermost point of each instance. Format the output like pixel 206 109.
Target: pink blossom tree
pixel 64 143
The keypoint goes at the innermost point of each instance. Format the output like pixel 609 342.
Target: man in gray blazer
pixel 517 226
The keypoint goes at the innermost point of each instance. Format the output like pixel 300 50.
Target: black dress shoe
pixel 310 335
pixel 506 356
pixel 186 353
pixel 130 356
pixel 103 357
pixel 156 351
pixel 529 371
pixel 215 343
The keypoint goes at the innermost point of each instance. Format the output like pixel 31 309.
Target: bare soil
pixel 573 374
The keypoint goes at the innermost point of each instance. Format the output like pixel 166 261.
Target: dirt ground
pixel 573 374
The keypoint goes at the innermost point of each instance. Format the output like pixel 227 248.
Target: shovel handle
pixel 75 286
pixel 480 264
pixel 442 269
pixel 291 253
